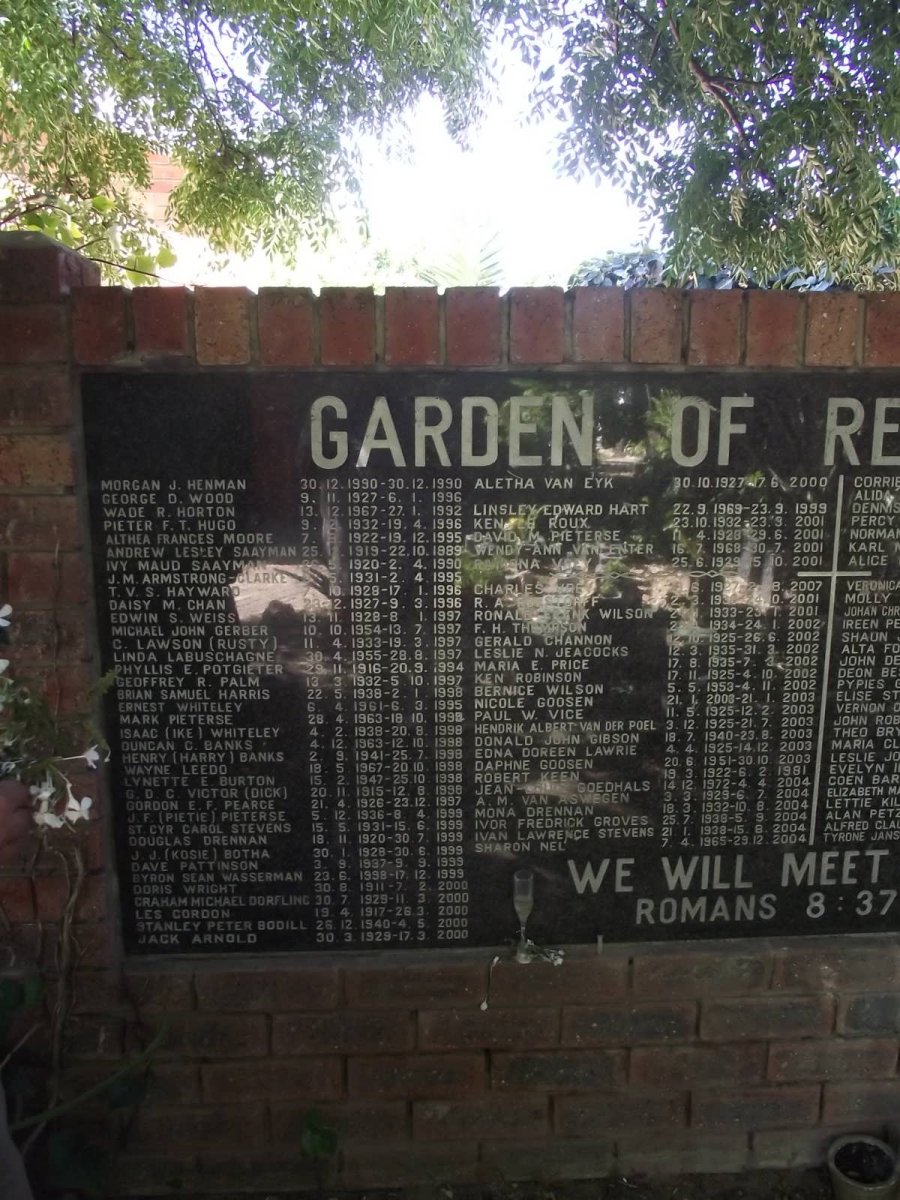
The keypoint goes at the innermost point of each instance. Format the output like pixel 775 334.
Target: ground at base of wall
pixel 806 1184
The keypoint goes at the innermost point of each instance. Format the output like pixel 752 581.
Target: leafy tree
pixel 763 135
pixel 252 97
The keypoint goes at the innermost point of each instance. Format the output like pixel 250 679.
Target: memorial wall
pixel 382 640
pixel 407 595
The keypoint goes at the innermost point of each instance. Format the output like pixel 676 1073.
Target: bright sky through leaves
pixel 434 199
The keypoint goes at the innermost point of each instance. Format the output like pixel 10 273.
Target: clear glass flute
pixel 523 903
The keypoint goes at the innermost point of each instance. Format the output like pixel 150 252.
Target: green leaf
pixel 102 204
pixel 166 257
pixel 317 1140
pixel 12 995
pixel 128 1091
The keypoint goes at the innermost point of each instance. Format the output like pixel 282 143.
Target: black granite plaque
pixel 382 640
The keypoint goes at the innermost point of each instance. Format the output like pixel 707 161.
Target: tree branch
pixel 251 91
pixel 707 82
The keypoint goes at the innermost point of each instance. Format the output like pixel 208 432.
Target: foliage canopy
pixel 761 134
pixel 251 97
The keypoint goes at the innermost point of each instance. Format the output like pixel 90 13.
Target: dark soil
pixel 864 1163
pixel 807 1184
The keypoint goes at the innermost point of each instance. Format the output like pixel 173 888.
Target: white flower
pixel 77 810
pixel 91 756
pixel 5 614
pixel 44 793
pixel 45 817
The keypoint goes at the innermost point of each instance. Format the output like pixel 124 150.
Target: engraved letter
pixel 879 459
pixel 435 432
pixel 727 427
pixel 468 457
pixel 381 415
pixel 582 439
pixel 834 429
pixel 682 403
pixel 337 439
pixel 518 406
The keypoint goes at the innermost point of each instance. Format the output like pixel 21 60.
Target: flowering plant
pixel 36 750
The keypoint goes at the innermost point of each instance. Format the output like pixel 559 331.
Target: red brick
pixel 157 991
pixel 873 1014
pixel 232 1172
pixel 832 319
pixel 295 1079
pixel 576 981
pixel 682 1066
pixel 407 987
pixel 52 896
pixel 286 321
pixel 429 1076
pixel 195 1035
pixel 99 325
pixel 757 1107
pixel 39 578
pixel 172 1083
pixel 598 324
pixel 353 1121
pixel 773 328
pixel 767 1017
pixel 36 460
pixel 65 688
pixel 497 1028
pixel 536 325
pixel 846 1102
pixel 550 1160
pixel 16 898
pixel 628 1024
pixel 380 1165
pixel 34 269
pixel 39 522
pixel 59 635
pixel 473 326
pixel 94 1037
pixel 40 943
pixel 342 1032
pixel 411 326
pixel 263 990
pixel 34 334
pixel 69 689
pixel 188 1129
pixel 700 973
pixel 715 331
pixel 161 320
pixel 222 325
pixel 656 325
pixel 507 1116
pixel 672 1154
pixel 347 326
pixel 787 1148
pixel 866 964
pixel 883 330
pixel 93 845
pixel 614 1112
pixel 29 397
pixel 96 992
pixel 559 1070
pixel 166 1083
pixel 856 1058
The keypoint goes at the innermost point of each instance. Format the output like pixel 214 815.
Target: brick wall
pixel 653 1058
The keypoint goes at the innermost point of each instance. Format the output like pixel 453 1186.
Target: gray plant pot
pixel 850 1186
